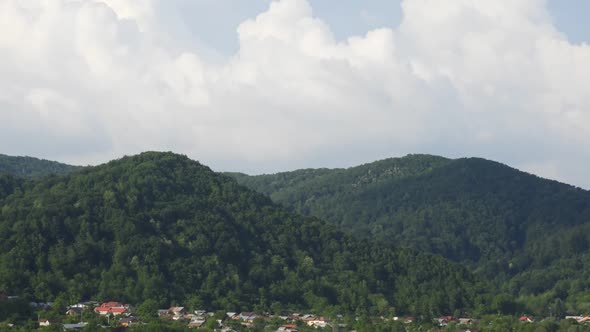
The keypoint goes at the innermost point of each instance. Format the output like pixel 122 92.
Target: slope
pixel 499 221
pixel 32 167
pixel 160 226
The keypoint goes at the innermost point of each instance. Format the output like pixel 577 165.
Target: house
pixel 196 323
pixel 164 313
pixel 248 316
pixel 307 317
pixel 232 315
pixel 525 318
pixel 74 311
pixel 42 305
pixel 177 311
pixel 77 326
pixel 465 321
pixel 320 322
pixel 111 304
pixel 445 320
pixel 287 328
pixel 119 311
pixel 579 319
pixel 114 308
pixel 79 305
pixel 102 310
pixel 127 321
pixel 200 313
pixel 44 322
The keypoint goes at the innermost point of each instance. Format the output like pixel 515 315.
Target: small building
pixel 466 321
pixel 164 313
pixel 77 326
pixel 248 317
pixel 196 323
pixel 79 305
pixel 114 308
pixel 318 322
pixel 44 322
pixel 74 311
pixel 128 321
pixel 287 328
pixel 177 312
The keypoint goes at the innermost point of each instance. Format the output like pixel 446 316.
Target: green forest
pixel 162 228
pixel 419 236
pixel 528 235
pixel 32 167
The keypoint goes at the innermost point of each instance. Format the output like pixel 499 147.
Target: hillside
pixel 527 233
pixel 159 226
pixel 30 167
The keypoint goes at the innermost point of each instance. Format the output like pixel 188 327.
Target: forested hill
pixel 161 227
pixel 500 221
pixel 288 186
pixel 30 167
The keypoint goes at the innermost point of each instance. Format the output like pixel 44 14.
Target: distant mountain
pixel 161 227
pixel 528 233
pixel 32 167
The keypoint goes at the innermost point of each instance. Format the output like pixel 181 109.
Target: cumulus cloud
pixel 85 81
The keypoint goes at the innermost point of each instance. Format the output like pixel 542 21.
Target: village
pixel 120 316
pixel 125 315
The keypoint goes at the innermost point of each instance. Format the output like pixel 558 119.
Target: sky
pixel 261 86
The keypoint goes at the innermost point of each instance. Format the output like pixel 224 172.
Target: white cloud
pixel 85 81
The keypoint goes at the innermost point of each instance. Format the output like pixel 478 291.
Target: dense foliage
pixel 161 227
pixel 30 167
pixel 529 234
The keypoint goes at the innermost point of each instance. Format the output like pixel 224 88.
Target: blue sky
pixel 348 18
pixel 571 18
pixel 262 86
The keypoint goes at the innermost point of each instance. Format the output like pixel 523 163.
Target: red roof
pixel 111 304
pixel 114 307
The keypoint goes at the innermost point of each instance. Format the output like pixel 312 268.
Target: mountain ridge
pixel 159 226
pixel 501 222
pixel 31 167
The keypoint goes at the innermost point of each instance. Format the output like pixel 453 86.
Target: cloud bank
pixel 86 81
